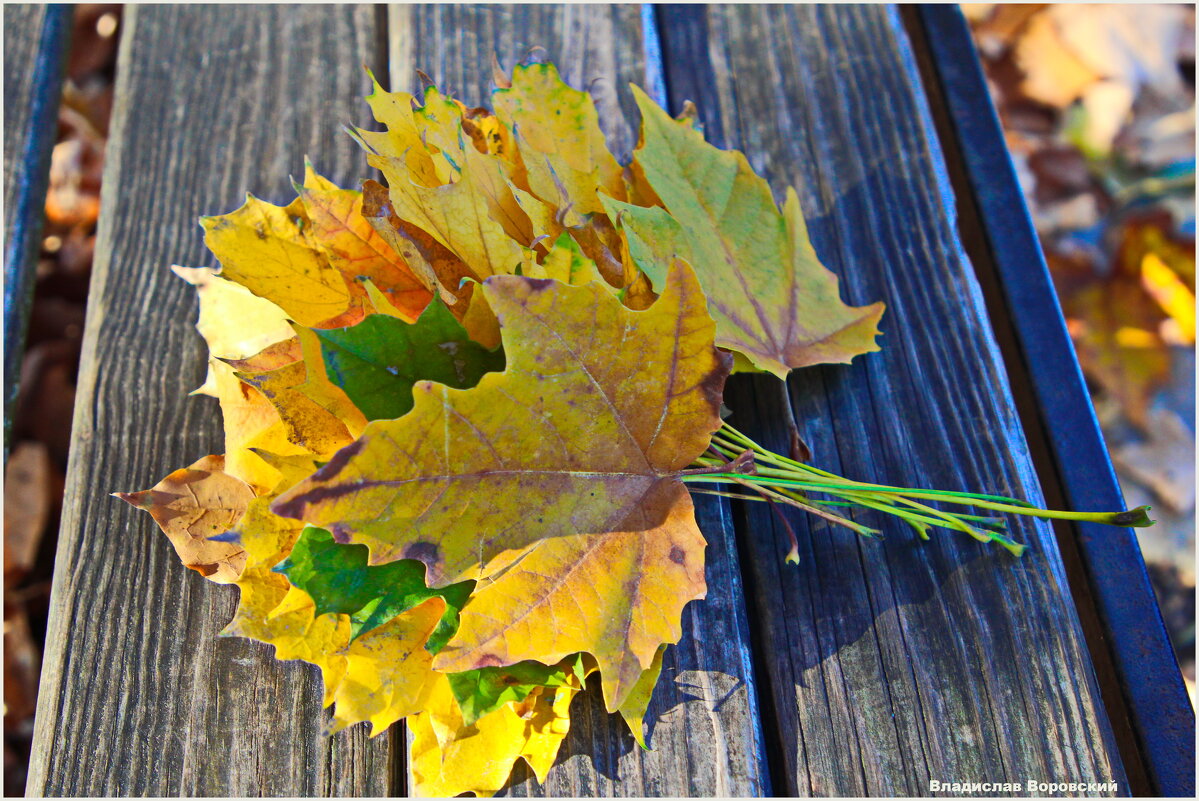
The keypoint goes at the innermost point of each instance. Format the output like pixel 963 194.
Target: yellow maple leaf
pixel 402 137
pixel 388 671
pixel 560 141
pixel 309 257
pixel 637 579
pixel 448 758
pixel 296 633
pixel 234 322
pixel 264 248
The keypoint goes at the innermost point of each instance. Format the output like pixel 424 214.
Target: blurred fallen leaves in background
pixel 1098 108
pixel 33 480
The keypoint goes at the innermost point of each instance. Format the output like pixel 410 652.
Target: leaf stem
pixel 734 458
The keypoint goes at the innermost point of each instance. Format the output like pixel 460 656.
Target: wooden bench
pixel 871 668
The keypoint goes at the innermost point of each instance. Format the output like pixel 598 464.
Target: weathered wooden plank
pixel 35 47
pixel 704 731
pixel 138 695
pixel 891 663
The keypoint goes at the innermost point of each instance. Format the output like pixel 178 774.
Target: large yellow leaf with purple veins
pixel 448 758
pixel 635 580
pixel 597 407
pixel 774 302
pixel 388 671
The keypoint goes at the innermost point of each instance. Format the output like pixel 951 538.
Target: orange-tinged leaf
pixel 597 406
pixel 353 246
pixel 316 414
pixel 448 758
pixel 309 425
pixel 192 506
pixel 388 671
pixel 437 268
pixel 773 301
pixel 617 595
pixel 457 216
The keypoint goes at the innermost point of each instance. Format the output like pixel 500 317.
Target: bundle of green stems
pixel 733 458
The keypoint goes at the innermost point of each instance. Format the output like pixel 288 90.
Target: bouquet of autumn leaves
pixel 461 412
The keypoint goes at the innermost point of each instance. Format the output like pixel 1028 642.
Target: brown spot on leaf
pixel 676 555
pixel 539 284
pixel 713 384
pixel 426 552
pixel 488 660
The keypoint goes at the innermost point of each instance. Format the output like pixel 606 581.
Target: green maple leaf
pixel 484 690
pixel 340 581
pixel 377 361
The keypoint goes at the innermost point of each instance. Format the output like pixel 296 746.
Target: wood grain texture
pixel 35 45
pixel 138 695
pixel 704 731
pixel 889 663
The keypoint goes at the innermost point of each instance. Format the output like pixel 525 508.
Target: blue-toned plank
pixel 35 47
pixel 888 665
pixel 1156 699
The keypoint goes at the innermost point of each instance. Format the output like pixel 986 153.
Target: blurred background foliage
pixel 33 477
pixel 1098 108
